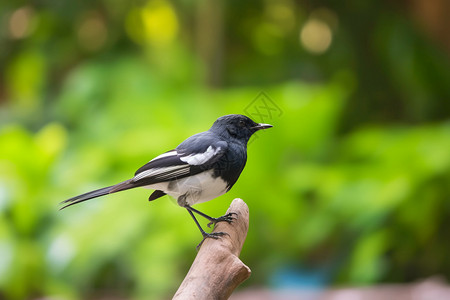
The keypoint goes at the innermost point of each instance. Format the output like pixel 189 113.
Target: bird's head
pixel 237 126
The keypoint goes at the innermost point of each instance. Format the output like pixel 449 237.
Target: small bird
pixel 203 167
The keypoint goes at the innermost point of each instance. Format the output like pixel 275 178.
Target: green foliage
pixel 369 201
pixel 362 203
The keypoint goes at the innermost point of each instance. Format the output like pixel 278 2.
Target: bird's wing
pixel 189 158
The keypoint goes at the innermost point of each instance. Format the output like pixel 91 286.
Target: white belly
pixel 194 189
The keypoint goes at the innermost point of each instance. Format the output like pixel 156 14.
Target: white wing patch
pixel 200 158
pixel 161 173
pixel 172 172
pixel 167 154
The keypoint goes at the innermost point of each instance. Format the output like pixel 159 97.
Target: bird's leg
pixel 214 235
pixel 226 218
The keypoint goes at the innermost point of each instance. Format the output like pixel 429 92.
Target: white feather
pixel 200 158
pixel 195 189
pixel 158 172
pixel 167 154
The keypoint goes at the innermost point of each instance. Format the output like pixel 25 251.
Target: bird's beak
pixel 262 126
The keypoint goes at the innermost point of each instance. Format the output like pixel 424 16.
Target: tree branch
pixel 217 269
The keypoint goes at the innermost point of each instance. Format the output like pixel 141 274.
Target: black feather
pixel 125 185
pixel 155 195
pixel 162 162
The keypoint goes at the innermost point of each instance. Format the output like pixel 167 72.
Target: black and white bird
pixel 203 167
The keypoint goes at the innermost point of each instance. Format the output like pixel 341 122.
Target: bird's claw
pixel 212 235
pixel 226 218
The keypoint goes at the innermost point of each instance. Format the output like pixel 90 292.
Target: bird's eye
pixel 241 123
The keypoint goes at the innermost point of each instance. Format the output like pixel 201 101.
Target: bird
pixel 201 168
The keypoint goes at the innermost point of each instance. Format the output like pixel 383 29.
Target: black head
pixel 237 126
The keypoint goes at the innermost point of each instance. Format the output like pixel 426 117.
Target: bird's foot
pixel 212 235
pixel 226 218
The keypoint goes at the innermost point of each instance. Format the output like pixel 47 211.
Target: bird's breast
pixel 194 189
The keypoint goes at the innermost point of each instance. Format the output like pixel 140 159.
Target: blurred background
pixel 350 188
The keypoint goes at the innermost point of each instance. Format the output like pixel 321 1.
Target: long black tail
pixel 125 185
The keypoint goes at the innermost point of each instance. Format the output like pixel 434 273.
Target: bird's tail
pixel 125 185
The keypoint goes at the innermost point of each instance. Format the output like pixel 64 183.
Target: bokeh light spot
pixel 155 24
pixel 19 24
pixel 160 22
pixel 316 36
pixel 282 13
pixel 92 32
